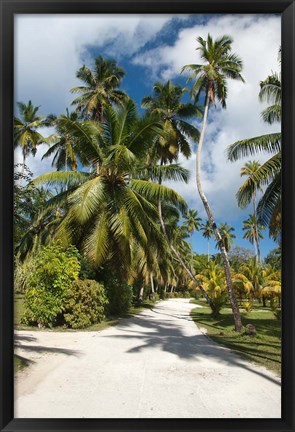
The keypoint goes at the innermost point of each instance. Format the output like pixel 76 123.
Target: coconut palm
pixel 40 225
pixel 253 233
pixel 26 133
pixel 207 233
pixel 166 105
pixel 210 81
pixel 214 282
pixel 249 279
pixel 269 173
pixel 101 88
pixel 65 149
pixel 271 286
pixel 250 168
pixel 173 114
pixel 110 211
pixel 227 235
pixel 192 223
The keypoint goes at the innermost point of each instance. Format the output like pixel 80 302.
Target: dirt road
pixel 158 364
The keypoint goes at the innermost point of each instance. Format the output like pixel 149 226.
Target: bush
pixel 85 304
pixel 22 273
pixel 120 297
pixel 55 270
pixel 248 306
pixel 87 270
pixel 275 307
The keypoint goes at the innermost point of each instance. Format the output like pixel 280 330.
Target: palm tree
pixel 63 149
pixel 249 279
pixel 269 173
pixel 271 286
pixel 192 223
pixel 213 281
pixel 26 133
pixel 227 235
pixel 210 81
pixel 101 88
pixel 250 168
pixel 207 232
pixel 253 233
pixel 111 211
pixel 166 104
pixel 40 225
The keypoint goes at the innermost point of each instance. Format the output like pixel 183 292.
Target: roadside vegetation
pixel 264 348
pixel 102 236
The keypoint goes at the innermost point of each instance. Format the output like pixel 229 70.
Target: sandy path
pixel 158 364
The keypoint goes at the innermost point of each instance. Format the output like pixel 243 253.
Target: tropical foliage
pixel 269 173
pixel 104 230
pixel 210 82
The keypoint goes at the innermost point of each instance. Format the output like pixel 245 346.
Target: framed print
pixel 147 239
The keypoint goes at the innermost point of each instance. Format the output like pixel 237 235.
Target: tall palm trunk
pixel 208 250
pixel 233 301
pixel 141 291
pixel 66 164
pixel 192 258
pixel 177 254
pixel 20 180
pixel 152 293
pixel 256 241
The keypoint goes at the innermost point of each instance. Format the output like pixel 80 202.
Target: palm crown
pixel 26 126
pixel 219 64
pixel 166 104
pixel 112 210
pixel 269 173
pixel 101 88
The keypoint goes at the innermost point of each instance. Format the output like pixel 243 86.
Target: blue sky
pixel 49 49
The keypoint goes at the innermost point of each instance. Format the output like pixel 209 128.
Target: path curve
pixel 157 364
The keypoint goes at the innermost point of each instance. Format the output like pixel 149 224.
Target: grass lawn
pixel 264 348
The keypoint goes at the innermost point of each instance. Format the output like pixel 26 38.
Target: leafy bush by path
pixel 120 297
pixel 85 304
pixel 22 272
pixel 55 271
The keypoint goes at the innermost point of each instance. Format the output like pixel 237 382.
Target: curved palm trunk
pixel 256 230
pixel 233 301
pixel 192 258
pixel 152 293
pixel 185 267
pixel 20 180
pixel 66 164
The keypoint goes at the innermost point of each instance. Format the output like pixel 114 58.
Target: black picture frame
pixel 10 7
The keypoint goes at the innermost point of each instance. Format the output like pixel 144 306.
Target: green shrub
pixel 55 270
pixel 22 273
pixel 120 297
pixel 87 270
pixel 275 307
pixel 85 304
pixel 156 297
pixel 248 306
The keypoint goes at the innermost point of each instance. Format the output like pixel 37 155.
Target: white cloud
pixel 48 50
pixel 48 54
pixel 256 41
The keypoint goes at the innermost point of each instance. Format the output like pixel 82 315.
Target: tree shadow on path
pixel 169 336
